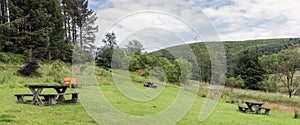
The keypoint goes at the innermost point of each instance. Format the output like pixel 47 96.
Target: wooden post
pixel 36 99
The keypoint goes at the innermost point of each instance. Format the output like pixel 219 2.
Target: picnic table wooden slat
pixel 36 91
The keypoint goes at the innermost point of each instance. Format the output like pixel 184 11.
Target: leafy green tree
pixel 105 53
pixel 286 64
pixel 134 47
pixel 171 70
pixel 185 70
pixel 134 63
pixel 237 82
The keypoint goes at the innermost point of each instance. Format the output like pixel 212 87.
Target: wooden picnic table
pixel 36 91
pixel 254 108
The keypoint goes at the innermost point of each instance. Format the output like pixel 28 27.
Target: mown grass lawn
pixel 224 114
pixel 12 112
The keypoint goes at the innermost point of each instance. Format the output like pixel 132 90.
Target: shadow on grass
pixel 6 118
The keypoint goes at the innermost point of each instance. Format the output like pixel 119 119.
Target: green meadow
pixel 225 113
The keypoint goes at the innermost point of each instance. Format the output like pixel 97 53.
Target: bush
pixel 4 78
pixel 235 82
pixel 56 70
pixel 30 68
pixel 11 58
pixel 185 70
pixel 158 73
pixel 269 86
pixel 297 113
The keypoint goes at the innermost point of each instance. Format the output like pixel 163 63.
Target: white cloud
pixel 179 17
pixel 154 38
pixel 233 19
pixel 255 19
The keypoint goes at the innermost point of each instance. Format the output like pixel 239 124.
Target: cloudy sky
pixel 183 21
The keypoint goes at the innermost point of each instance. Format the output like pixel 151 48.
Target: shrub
pixel 235 82
pixel 57 70
pixel 297 113
pixel 11 58
pixel 185 70
pixel 30 68
pixel 269 86
pixel 4 78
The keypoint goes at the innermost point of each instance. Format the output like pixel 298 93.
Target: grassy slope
pixel 225 113
pixel 12 112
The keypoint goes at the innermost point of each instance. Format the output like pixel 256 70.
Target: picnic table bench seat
pixel 20 97
pixel 267 111
pixel 243 109
pixel 50 98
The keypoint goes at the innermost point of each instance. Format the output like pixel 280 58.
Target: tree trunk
pixel 288 80
pixel 1 13
pixel 73 30
pixel 7 10
pixel 290 94
pixel 69 28
pixel 75 33
pixel 80 28
pixel 65 18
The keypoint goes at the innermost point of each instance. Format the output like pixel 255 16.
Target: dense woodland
pixel 46 29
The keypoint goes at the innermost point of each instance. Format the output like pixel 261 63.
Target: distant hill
pixel 233 50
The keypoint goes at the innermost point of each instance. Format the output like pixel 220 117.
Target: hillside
pixel 226 112
pixel 233 50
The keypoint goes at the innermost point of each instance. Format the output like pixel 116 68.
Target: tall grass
pixel 5 78
pixel 261 96
pixel 55 71
pixel 51 73
pixel 10 58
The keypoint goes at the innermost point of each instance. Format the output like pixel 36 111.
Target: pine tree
pixel 59 47
pixel 88 34
pixel 46 29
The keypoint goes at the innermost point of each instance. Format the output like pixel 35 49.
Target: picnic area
pixel 13 111
pixel 149 62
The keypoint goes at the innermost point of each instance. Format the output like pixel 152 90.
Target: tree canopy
pixel 286 64
pixel 45 29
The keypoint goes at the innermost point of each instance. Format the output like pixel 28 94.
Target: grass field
pixel 12 112
pixel 226 113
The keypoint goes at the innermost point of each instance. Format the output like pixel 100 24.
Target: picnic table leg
pixel 257 109
pixel 52 99
pixel 61 98
pixel 21 98
pixel 74 97
pixel 36 99
pixel 249 106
